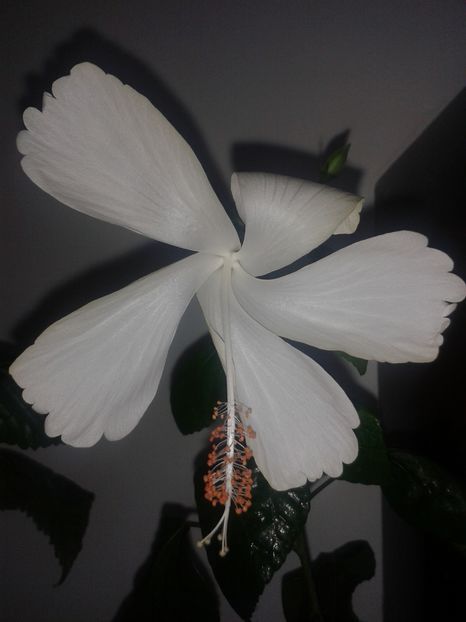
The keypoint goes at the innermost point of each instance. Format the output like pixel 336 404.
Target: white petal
pixel 103 149
pixel 302 418
pixel 286 218
pixel 97 370
pixel 385 298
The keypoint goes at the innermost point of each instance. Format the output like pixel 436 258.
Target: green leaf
pixel 422 492
pixel 172 584
pixel 335 162
pixel 259 540
pixel 359 364
pixel 427 497
pixel 19 424
pixel 335 577
pixel 197 383
pixel 58 506
pixel 372 465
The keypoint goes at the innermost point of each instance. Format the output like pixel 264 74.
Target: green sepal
pixel 335 162
pixel 259 540
pixel 172 584
pixel 59 507
pixel 359 364
pixel 372 465
pixel 197 383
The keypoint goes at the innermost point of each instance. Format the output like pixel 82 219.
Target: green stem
pixel 301 547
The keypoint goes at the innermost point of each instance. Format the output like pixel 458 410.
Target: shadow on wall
pixel 250 157
pixel 424 406
pixel 88 45
pixel 173 581
pixel 279 160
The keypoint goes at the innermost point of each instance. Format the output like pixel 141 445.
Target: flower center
pixel 231 259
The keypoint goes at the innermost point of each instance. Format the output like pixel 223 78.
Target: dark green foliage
pixel 422 492
pixel 427 497
pixel 372 466
pixel 197 383
pixel 259 540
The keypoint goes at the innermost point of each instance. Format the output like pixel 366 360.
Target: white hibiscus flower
pixel 101 148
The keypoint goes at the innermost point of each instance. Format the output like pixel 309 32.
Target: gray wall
pixel 245 81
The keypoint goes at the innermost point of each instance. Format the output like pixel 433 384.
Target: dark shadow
pixel 58 507
pixel 339 371
pixel 336 575
pixel 173 583
pixel 423 406
pixel 278 160
pixel 99 281
pixel 87 45
pixel 269 158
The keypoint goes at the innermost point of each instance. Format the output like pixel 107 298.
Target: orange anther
pixel 250 432
pixel 223 454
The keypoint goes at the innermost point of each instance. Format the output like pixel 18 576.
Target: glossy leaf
pixel 172 584
pixel 372 465
pixel 197 383
pixel 59 507
pixel 20 425
pixel 422 492
pixel 427 497
pixel 259 540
